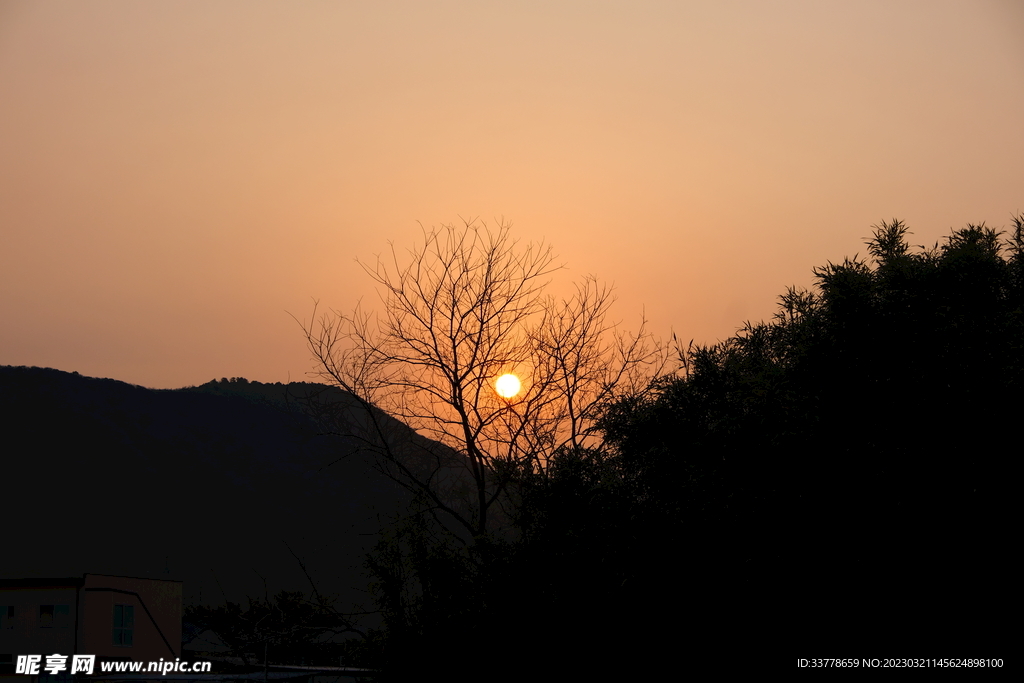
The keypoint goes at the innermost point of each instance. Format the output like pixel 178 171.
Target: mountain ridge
pixel 226 486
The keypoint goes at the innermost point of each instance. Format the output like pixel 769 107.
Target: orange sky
pixel 176 177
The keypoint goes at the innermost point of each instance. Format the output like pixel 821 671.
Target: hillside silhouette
pixel 223 485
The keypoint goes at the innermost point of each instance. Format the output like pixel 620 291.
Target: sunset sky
pixel 176 178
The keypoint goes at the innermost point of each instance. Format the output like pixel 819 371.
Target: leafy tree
pixel 843 467
pixel 857 445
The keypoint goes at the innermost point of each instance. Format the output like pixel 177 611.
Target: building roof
pixel 69 582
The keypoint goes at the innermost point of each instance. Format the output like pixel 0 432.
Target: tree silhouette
pixel 458 311
pixel 856 445
pixel 286 629
pixel 842 469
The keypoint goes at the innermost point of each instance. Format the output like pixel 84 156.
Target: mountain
pixel 226 486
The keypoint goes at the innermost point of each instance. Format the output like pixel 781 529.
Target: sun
pixel 507 386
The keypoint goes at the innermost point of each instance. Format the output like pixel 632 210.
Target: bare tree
pixel 459 311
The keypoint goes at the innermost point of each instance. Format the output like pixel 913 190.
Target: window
pixel 54 616
pixel 6 616
pixel 124 625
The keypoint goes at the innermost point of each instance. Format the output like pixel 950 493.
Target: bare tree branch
pixel 456 312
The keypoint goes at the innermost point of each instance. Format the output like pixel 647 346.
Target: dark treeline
pixel 834 482
pixel 847 464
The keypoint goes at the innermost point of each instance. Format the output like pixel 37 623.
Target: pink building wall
pixel 157 612
pixel 76 616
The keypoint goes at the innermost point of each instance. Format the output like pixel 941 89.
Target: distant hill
pixel 211 484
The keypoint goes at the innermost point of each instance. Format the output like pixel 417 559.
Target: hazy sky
pixel 177 177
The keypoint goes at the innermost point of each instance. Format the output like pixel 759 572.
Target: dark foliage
pixel 855 453
pixel 834 480
pixel 286 628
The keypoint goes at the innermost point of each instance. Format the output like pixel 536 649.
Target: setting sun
pixel 507 386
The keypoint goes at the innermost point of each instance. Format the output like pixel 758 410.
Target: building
pixel 116 618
